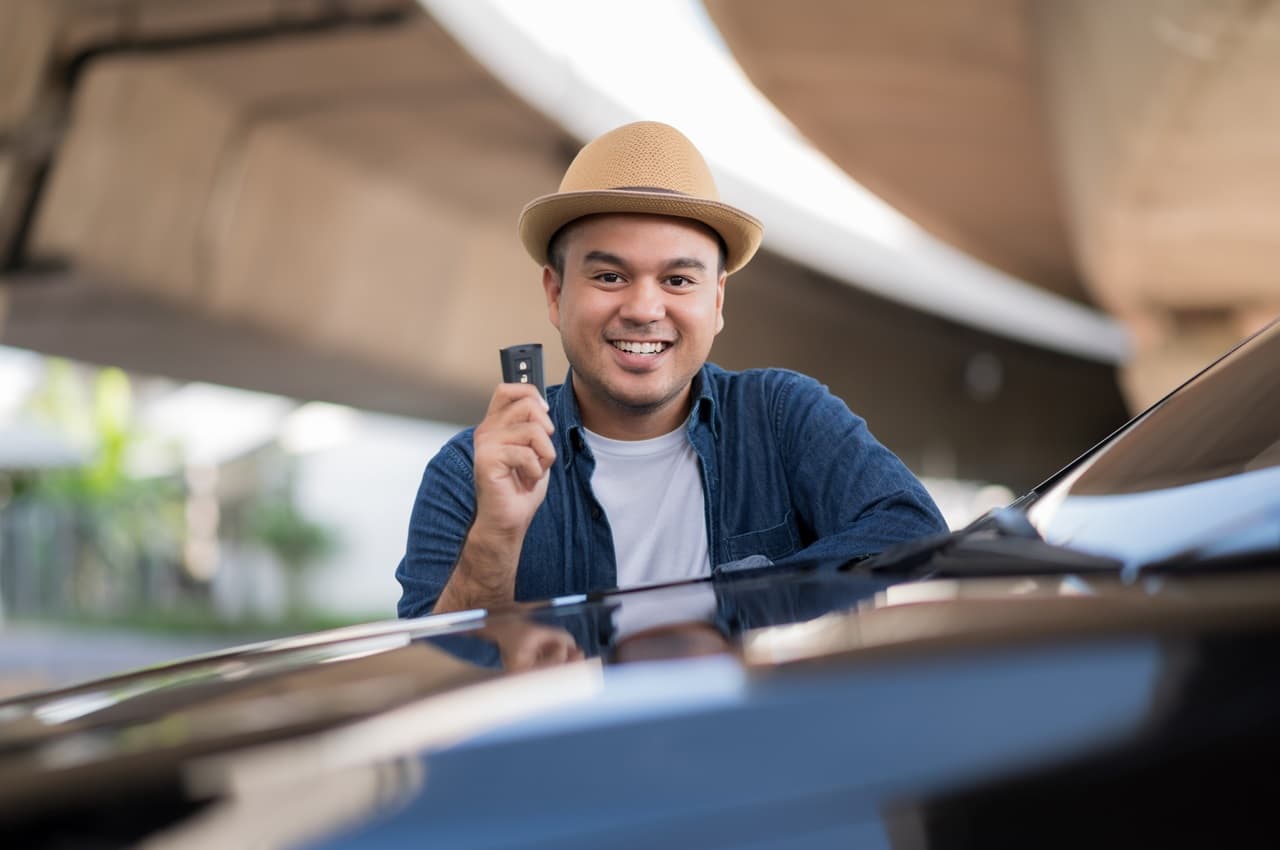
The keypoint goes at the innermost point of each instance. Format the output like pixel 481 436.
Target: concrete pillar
pixel 1166 123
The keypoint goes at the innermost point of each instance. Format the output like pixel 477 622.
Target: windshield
pixel 1200 469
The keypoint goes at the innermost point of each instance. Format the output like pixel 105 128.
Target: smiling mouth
pixel 640 347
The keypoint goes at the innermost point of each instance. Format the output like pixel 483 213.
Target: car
pixel 1094 664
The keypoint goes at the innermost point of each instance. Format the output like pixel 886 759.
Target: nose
pixel 643 302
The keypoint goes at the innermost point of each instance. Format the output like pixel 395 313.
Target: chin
pixel 641 401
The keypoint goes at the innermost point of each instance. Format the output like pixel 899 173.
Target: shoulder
pixel 779 400
pixel 457 454
pixel 769 385
pixel 793 404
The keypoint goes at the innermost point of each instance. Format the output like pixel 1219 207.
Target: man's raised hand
pixel 513 454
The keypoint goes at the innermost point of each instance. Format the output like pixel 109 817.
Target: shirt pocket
pixel 775 542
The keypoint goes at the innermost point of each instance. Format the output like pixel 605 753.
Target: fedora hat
pixel 645 167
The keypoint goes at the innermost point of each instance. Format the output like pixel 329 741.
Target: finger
pixel 525 434
pixel 521 461
pixel 489 447
pixel 507 395
pixel 529 434
pixel 519 412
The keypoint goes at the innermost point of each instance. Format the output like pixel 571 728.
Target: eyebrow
pixel 614 260
pixel 604 257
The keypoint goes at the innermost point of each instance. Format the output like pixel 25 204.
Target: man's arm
pixel 467 531
pixel 442 514
pixel 855 496
pixel 485 574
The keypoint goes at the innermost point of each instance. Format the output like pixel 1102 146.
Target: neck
pixel 618 422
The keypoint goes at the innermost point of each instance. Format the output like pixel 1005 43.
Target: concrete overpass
pixel 317 198
pixel 1125 155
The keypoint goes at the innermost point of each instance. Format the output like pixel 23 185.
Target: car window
pixel 1204 460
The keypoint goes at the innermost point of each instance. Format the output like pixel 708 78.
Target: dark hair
pixel 555 246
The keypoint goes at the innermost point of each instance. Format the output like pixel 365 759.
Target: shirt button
pixel 595 512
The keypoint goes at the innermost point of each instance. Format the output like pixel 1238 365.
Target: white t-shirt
pixel 651 491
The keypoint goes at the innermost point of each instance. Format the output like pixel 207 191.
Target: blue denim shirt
pixel 789 475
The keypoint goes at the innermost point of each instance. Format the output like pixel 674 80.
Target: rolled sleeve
pixel 442 514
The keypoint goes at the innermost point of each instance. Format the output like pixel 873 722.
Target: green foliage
pixel 106 528
pixel 102 421
pixel 111 544
pixel 294 540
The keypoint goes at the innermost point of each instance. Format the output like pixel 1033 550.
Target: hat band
pixel 652 189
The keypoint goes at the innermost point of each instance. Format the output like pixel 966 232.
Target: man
pixel 648 464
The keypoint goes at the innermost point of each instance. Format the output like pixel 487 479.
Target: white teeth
pixel 639 347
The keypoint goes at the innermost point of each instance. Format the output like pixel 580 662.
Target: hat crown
pixel 643 155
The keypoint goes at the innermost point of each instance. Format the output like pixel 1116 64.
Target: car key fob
pixel 522 364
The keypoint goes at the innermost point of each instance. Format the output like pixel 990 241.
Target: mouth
pixel 631 347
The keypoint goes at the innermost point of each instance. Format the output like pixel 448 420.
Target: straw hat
pixel 645 167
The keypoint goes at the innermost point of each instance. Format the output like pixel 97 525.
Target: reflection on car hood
pixel 265 691
pixel 1199 469
pixel 358 708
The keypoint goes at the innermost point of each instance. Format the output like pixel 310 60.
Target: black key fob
pixel 522 364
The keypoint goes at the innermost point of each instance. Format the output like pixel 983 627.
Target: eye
pixel 679 281
pixel 609 277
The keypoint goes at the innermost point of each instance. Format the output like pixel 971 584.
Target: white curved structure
pixel 592 66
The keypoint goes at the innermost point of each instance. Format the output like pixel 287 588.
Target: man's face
pixel 637 309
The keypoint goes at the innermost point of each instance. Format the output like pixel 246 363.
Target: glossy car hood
pixel 1000 672
pixel 158 720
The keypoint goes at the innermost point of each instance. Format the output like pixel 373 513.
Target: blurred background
pixel 257 256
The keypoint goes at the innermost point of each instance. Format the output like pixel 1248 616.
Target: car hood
pixel 317 703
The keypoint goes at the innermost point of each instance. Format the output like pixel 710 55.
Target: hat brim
pixel 542 217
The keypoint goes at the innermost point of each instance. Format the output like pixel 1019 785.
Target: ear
pixel 720 302
pixel 551 286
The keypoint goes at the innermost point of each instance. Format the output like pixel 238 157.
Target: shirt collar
pixel 704 407
pixel 704 411
pixel 569 429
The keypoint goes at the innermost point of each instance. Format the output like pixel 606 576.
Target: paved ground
pixel 35 657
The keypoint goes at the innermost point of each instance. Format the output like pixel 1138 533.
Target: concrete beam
pixel 1168 134
pixel 331 215
pixel 361 208
pixel 934 107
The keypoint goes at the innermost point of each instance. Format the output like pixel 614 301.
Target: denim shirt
pixel 789 475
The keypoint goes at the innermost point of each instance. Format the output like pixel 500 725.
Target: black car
pixel 1094 665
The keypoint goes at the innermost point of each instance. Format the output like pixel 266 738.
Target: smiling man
pixel 649 464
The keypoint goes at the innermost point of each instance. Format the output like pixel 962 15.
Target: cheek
pixel 575 318
pixel 707 318
pixel 588 311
